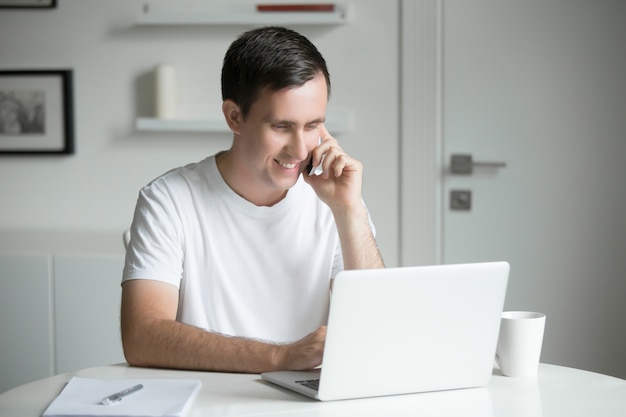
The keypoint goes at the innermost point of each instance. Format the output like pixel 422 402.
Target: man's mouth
pixel 286 165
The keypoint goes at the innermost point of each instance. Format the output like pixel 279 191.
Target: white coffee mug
pixel 519 343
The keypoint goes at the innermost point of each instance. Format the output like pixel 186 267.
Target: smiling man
pixel 230 259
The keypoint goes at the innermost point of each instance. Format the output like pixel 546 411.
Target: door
pixel 541 86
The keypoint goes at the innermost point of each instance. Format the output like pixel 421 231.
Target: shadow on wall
pixel 145 93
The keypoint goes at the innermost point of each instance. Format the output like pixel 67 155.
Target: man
pixel 231 259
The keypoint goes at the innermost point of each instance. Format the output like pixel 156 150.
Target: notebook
pixel 407 330
pixel 156 398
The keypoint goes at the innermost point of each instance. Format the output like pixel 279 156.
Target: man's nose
pixel 298 146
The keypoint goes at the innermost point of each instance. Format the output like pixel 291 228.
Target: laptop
pixel 407 330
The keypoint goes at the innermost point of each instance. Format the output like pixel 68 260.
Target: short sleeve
pixel 155 247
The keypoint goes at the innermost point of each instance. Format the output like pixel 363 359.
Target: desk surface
pixel 556 391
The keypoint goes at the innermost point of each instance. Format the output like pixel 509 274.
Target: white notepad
pixel 159 397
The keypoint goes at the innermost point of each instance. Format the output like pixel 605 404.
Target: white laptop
pixel 407 330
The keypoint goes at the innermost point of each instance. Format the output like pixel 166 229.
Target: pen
pixel 112 399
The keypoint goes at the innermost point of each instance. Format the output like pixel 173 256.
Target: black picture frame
pixel 28 4
pixel 36 112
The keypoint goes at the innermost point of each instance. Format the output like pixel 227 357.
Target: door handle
pixel 464 164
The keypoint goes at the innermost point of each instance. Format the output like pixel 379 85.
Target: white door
pixel 541 86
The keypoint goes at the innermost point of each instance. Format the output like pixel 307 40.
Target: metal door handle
pixel 464 164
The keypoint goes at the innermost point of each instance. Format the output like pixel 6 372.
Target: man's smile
pixel 286 165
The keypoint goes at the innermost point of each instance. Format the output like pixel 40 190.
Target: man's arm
pixel 358 245
pixel 339 187
pixel 152 337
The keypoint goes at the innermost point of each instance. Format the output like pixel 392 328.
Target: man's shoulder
pixel 187 175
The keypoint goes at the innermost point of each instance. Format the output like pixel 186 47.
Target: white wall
pixel 93 192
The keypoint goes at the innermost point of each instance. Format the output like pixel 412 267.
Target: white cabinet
pixel 87 293
pixel 58 313
pixel 26 339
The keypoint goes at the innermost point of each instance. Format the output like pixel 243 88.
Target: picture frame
pixel 28 4
pixel 36 112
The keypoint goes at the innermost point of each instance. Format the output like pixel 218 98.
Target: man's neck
pixel 243 184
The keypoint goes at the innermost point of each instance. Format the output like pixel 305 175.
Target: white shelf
pixel 337 122
pixel 181 125
pixel 185 15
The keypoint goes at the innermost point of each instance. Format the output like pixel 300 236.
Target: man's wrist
pixel 348 213
pixel 277 356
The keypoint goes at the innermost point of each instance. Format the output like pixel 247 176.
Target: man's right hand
pixel 306 353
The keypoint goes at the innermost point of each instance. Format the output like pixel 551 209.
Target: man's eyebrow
pixel 272 120
pixel 315 122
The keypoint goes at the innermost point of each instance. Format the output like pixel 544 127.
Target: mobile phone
pixel 317 170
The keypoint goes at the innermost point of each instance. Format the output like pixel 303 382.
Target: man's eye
pixel 312 126
pixel 281 127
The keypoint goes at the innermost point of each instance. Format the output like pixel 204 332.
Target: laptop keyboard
pixel 310 383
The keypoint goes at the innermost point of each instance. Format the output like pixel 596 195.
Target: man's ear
pixel 232 114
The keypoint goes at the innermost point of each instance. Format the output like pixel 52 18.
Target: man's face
pixel 279 133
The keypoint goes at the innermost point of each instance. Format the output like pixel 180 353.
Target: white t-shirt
pixel 241 269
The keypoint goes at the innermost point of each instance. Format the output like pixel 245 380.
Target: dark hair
pixel 272 57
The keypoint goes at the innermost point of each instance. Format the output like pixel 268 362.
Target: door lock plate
pixel 461 200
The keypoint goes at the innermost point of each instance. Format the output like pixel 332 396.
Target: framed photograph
pixel 28 4
pixel 36 112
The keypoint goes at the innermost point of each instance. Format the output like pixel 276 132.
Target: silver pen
pixel 113 398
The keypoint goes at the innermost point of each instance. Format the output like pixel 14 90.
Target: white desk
pixel 557 391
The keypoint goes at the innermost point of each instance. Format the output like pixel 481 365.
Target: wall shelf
pixel 153 124
pixel 152 14
pixel 337 122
